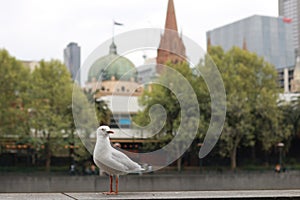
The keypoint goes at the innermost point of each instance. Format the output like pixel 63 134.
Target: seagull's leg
pixel 110 183
pixel 110 186
pixel 117 184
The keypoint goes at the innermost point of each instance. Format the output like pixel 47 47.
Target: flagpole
pixel 113 31
pixel 113 28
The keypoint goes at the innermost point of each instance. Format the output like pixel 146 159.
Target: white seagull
pixel 110 160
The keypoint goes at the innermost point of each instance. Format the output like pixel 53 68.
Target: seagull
pixel 110 160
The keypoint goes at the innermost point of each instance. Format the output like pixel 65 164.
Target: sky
pixel 35 30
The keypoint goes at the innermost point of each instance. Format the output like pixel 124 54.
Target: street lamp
pixel 280 146
pixel 199 144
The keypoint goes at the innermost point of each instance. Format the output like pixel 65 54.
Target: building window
pixel 120 121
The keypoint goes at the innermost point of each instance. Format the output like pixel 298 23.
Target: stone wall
pixel 152 182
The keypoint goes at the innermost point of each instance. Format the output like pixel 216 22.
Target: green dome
pixel 112 65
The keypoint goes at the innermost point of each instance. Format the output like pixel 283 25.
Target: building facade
pixel 290 11
pixel 72 60
pixel 147 72
pixel 113 79
pixel 285 77
pixel 269 37
pixel 295 83
pixel 171 47
pixel 31 65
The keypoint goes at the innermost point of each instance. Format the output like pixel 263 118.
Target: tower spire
pixel 295 83
pixel 171 47
pixel 171 17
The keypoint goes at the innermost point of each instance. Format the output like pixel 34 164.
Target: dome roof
pixel 112 65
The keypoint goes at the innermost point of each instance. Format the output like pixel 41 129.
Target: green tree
pixel 292 114
pixel 14 80
pixel 291 119
pixel 88 113
pixel 168 95
pixel 51 98
pixel 252 93
pixel 103 113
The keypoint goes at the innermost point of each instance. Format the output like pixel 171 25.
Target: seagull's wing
pixel 111 165
pixel 129 165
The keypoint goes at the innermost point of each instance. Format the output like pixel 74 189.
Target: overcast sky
pixel 35 29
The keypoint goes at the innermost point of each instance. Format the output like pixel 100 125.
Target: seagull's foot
pixel 110 193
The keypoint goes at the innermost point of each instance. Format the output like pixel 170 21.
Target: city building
pixel 171 48
pixel 269 37
pixel 30 64
pixel 113 75
pixel 72 60
pixel 286 98
pixel 113 79
pixel 285 77
pixel 290 11
pixel 147 72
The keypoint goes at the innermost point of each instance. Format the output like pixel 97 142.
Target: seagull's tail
pixel 137 170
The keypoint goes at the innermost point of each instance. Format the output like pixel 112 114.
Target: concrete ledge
pixel 243 194
pixel 28 196
pixel 258 194
pixel 152 182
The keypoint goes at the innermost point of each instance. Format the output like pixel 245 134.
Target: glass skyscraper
pixel 290 10
pixel 72 60
pixel 269 37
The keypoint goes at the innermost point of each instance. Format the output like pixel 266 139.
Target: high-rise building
pixel 72 60
pixel 171 47
pixel 290 11
pixel 269 37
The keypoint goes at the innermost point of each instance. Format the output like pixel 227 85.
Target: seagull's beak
pixel 110 132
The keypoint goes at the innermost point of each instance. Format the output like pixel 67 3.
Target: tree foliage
pixel 51 98
pixel 173 88
pixel 37 106
pixel 14 81
pixel 291 119
pixel 253 115
pixel 158 94
pixel 36 109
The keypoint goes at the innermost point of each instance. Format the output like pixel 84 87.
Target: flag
pixel 117 23
pixel 287 20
